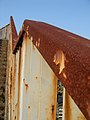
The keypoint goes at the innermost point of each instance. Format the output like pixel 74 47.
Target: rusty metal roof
pixel 14 32
pixel 54 43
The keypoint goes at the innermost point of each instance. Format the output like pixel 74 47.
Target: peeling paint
pixel 64 75
pixel 59 59
pixel 38 42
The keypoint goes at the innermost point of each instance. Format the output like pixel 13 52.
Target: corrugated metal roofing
pixel 54 43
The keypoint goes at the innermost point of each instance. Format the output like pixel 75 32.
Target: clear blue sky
pixel 71 15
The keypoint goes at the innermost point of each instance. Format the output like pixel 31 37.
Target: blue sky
pixel 71 15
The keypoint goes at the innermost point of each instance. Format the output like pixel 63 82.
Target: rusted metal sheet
pixel 39 85
pixel 70 109
pixel 14 32
pixel 35 88
pixel 29 70
pixel 11 74
pixel 73 69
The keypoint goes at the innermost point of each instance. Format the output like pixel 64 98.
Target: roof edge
pixel 13 32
